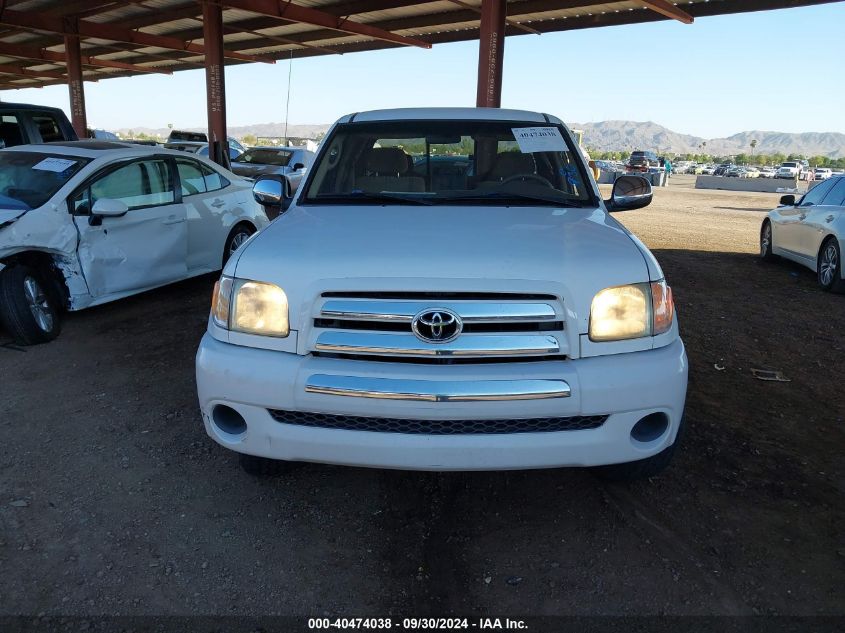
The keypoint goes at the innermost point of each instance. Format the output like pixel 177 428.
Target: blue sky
pixel 777 70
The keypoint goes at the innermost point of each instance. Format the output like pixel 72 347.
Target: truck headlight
pixel 620 313
pixel 252 307
pixel 633 311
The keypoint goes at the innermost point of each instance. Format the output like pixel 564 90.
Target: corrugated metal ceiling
pixel 249 32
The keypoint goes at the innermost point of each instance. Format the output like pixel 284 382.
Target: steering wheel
pixel 524 177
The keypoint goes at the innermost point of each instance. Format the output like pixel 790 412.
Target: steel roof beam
pixel 190 10
pixel 9 85
pixel 356 7
pixel 20 71
pixel 276 39
pixel 193 9
pixel 669 10
pixel 541 23
pixel 80 8
pixel 32 52
pixel 393 24
pixel 508 20
pixel 84 28
pixel 306 15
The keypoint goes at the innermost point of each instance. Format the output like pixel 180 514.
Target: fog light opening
pixel 228 420
pixel 650 428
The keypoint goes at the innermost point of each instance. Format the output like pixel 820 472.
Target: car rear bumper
pixel 268 388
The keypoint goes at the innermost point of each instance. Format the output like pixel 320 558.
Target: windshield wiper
pixel 512 195
pixel 382 196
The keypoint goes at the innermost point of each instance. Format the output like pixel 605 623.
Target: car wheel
pixel 236 239
pixel 27 310
pixel 263 467
pixel 766 241
pixel 643 468
pixel 830 266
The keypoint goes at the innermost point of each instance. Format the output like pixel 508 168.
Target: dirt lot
pixel 113 500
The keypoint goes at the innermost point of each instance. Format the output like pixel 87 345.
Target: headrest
pixel 387 160
pixel 512 163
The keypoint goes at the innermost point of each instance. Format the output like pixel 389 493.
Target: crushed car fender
pixel 46 232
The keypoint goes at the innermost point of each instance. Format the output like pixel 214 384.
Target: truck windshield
pixel 452 161
pixel 29 179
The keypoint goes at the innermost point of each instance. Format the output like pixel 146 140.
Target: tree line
pixel 738 159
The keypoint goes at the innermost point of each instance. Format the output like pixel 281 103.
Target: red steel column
pixel 215 85
pixel 75 87
pixel 490 53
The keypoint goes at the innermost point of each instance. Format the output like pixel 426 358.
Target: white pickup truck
pixel 789 169
pixel 448 291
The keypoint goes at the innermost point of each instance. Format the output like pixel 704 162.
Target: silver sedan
pixel 810 231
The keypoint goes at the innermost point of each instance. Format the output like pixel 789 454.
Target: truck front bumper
pixel 261 386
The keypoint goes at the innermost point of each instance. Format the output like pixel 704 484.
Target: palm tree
pixel 753 145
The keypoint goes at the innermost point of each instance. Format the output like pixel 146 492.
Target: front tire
pixel 240 234
pixel 766 241
pixel 27 310
pixel 830 266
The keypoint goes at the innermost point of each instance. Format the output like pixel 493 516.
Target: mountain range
pixel 629 135
pixel 614 136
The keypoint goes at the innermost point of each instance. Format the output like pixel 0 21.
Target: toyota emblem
pixel 437 325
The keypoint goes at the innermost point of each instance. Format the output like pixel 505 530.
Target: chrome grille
pixel 494 325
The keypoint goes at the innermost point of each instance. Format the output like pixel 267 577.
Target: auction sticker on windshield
pixel 539 139
pixel 57 165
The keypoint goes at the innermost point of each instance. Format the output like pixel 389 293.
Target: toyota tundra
pixel 447 291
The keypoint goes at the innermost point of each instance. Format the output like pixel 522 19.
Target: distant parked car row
pixel 197 143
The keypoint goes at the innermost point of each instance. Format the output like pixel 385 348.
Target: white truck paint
pixel 391 257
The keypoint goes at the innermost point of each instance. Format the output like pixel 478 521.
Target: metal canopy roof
pixel 130 37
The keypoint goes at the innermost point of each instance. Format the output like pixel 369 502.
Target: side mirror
pixel 787 201
pixel 298 166
pixel 268 192
pixel 274 192
pixel 629 192
pixel 106 208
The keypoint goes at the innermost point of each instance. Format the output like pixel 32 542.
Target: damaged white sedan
pixel 83 223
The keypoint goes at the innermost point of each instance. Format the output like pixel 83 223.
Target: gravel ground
pixel 113 500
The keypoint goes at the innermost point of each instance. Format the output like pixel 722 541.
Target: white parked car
pixel 86 222
pixel 490 317
pixel 810 231
pixel 822 173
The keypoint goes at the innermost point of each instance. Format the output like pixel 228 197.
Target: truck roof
pixel 483 114
pixel 5 105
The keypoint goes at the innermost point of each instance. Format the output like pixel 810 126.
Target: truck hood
pixel 571 253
